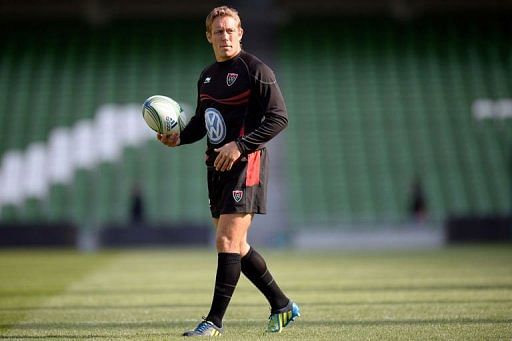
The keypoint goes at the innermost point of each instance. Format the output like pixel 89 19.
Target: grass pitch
pixel 458 293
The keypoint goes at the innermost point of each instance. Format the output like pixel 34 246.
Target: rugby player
pixel 239 108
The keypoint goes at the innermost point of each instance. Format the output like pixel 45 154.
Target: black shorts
pixel 243 189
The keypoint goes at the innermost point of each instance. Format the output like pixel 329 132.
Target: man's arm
pixel 194 131
pixel 275 116
pixel 196 128
pixel 190 134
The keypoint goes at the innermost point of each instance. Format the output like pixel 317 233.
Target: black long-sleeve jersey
pixel 238 100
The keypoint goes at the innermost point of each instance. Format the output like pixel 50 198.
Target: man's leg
pixel 231 234
pixel 255 269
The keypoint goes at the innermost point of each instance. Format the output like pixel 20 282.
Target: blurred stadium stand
pixel 379 93
pixel 67 71
pixel 381 103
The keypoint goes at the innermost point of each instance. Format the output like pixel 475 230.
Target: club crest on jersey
pixel 231 78
pixel 237 195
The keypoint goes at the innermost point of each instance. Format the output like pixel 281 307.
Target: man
pixel 240 107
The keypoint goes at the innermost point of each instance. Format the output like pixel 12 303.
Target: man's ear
pixel 241 30
pixel 209 37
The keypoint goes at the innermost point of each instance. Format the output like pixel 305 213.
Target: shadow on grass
pixel 413 302
pixel 88 336
pixel 100 292
pixel 255 305
pixel 123 307
pixel 411 287
pixel 84 326
pixel 316 288
pixel 368 323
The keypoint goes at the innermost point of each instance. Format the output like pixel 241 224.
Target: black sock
pixel 255 268
pixel 228 273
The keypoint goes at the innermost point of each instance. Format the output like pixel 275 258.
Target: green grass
pixel 458 293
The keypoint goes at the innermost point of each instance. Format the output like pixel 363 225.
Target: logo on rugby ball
pixel 170 123
pixel 237 195
pixel 231 78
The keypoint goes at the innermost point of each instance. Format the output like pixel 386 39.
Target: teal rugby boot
pixel 282 317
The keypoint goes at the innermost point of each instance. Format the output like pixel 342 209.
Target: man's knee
pixel 232 232
pixel 226 243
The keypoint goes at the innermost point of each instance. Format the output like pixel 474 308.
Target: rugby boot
pixel 205 328
pixel 281 318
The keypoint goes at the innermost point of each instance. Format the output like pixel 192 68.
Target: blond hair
pixel 220 12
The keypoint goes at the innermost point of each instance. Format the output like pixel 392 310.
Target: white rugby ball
pixel 164 115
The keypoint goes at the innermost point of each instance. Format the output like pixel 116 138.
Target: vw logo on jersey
pixel 214 125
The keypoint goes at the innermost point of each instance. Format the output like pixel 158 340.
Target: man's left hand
pixel 228 154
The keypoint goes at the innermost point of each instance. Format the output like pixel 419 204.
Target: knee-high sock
pixel 255 268
pixel 228 273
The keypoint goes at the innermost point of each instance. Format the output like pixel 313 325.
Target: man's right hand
pixel 171 140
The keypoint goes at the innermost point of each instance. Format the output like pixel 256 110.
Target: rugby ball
pixel 164 115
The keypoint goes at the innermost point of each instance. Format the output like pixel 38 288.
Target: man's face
pixel 225 38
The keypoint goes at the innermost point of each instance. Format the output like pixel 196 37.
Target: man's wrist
pixel 240 146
